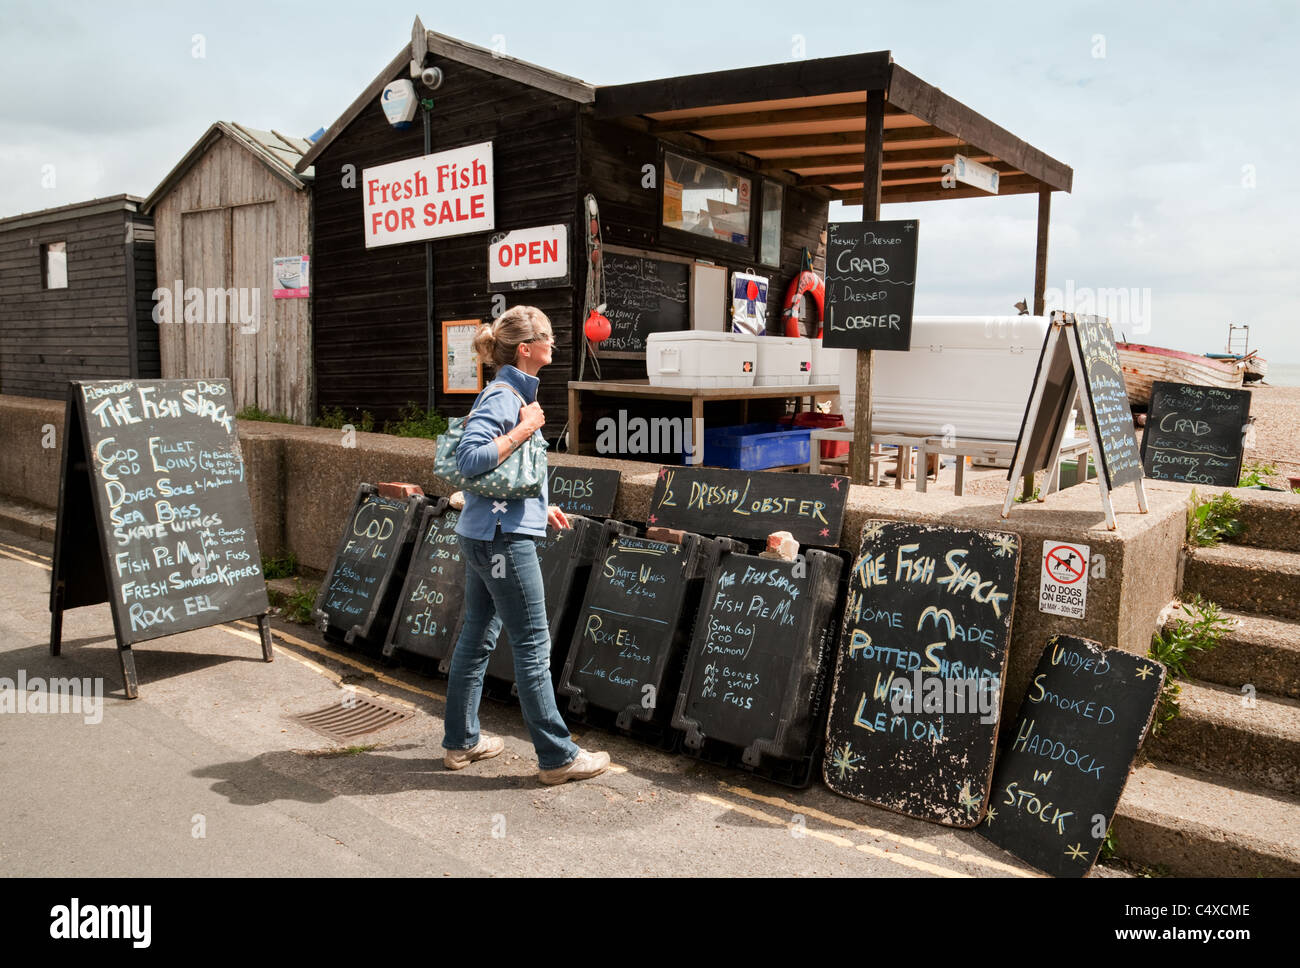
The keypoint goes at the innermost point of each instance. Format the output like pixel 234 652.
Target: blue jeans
pixel 515 594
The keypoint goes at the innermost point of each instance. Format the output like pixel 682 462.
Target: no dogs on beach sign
pixel 1064 586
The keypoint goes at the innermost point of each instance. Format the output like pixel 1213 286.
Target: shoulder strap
pixel 497 383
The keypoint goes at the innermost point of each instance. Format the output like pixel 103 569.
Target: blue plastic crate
pixel 752 447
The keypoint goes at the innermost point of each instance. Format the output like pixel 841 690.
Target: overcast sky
pixel 1177 118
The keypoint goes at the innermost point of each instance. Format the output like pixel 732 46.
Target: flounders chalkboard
pixel 755 674
pixel 431 606
pixel 750 504
pixel 643 295
pixel 1063 767
pixel 633 624
pixel 154 515
pixel 360 589
pixel 1195 434
pixel 922 657
pixel 587 491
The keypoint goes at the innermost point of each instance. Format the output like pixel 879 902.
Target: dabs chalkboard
pixel 626 650
pixel 1108 400
pixel 923 653
pixel 750 504
pixel 1194 434
pixel 431 605
pixel 870 284
pixel 1063 767
pixel 643 295
pixel 586 491
pixel 154 515
pixel 755 674
pixel 360 588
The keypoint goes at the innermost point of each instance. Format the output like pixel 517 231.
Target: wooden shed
pixel 75 287
pixel 225 214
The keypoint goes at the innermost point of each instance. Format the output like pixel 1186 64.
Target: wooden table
pixel 696 396
pixel 963 447
pixel 904 442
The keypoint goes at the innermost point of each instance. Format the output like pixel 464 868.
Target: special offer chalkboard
pixel 1195 434
pixel 918 677
pixel 431 606
pixel 633 624
pixel 360 588
pixel 643 295
pixel 756 669
pixel 154 515
pixel 750 504
pixel 870 284
pixel 586 491
pixel 1063 767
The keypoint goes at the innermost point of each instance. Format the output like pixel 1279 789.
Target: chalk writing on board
pixel 644 295
pixel 1067 759
pixel 922 656
pixel 1195 433
pixel 1108 399
pixel 870 284
pixel 169 479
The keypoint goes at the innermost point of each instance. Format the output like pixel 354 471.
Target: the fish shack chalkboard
pixel 431 606
pixel 587 491
pixel 643 295
pixel 870 284
pixel 1195 434
pixel 360 588
pixel 922 656
pixel 756 670
pixel 154 515
pixel 634 623
pixel 750 504
pixel 1064 765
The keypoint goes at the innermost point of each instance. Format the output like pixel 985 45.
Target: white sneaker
pixel 486 748
pixel 584 766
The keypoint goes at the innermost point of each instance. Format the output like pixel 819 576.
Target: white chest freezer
pixel 783 361
pixel 694 358
pixel 968 376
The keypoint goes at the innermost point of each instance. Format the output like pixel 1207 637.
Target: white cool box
pixel 694 358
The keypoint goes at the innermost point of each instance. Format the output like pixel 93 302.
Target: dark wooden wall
pixel 144 280
pixel 83 332
pixel 369 306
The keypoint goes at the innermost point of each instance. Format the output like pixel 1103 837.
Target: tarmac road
pixel 204 775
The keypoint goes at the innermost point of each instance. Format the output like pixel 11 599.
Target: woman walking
pixel 503 577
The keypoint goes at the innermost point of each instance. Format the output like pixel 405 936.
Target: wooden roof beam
pixel 913 95
pixel 896 174
pixel 751 119
pixel 773 82
pixel 918 193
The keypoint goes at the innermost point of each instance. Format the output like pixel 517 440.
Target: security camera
pixel 431 77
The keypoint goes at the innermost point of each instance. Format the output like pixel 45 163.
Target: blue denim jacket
pixel 496 412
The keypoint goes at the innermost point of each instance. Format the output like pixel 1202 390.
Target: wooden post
pixel 1040 252
pixel 872 161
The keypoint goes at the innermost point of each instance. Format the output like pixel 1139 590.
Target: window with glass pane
pixel 770 235
pixel 55 263
pixel 704 200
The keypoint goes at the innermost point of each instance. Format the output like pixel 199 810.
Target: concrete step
pixel 1198 825
pixel 1271 520
pixel 1219 733
pixel 1259 649
pixel 1246 579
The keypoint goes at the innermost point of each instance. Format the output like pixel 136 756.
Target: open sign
pixel 529 259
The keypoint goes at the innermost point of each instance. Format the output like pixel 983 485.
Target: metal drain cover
pixel 354 717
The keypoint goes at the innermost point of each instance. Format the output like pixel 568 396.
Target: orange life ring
pixel 805 282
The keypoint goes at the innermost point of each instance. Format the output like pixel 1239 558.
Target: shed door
pixel 206 266
pixel 254 344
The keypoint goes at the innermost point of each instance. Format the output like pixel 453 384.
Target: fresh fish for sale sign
pixel 432 197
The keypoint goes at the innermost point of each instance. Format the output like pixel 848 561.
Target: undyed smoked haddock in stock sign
pixel 917 693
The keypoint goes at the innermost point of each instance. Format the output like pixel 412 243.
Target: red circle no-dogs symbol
pixel 1065 565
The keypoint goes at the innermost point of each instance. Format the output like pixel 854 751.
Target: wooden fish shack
pixel 461 181
pixel 75 285
pixel 233 221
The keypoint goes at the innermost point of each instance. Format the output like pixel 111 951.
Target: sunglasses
pixel 548 338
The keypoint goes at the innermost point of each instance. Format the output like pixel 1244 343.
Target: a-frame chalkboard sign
pixel 154 515
pixel 1079 354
